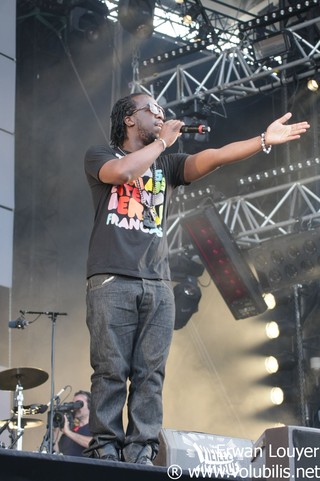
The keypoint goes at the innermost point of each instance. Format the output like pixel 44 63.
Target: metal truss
pixel 258 216
pixel 231 75
pixel 280 210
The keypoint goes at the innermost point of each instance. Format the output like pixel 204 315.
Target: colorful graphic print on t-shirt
pixel 125 209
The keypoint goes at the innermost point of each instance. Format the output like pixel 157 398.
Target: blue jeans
pixel 130 321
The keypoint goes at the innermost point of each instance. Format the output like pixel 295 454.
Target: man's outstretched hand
pixel 278 132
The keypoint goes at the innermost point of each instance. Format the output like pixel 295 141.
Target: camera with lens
pixel 68 410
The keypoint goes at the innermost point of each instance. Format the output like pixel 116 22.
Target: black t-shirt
pixel 120 244
pixel 70 448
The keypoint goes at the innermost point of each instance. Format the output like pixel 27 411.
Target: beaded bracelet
pixel 266 149
pixel 163 142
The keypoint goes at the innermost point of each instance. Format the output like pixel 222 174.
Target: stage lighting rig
pixel 279 15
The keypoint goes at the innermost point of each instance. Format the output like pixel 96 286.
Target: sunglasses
pixel 154 109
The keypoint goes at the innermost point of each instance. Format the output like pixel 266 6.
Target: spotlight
pixel 270 300
pixel 313 84
pixel 182 266
pixel 187 19
pixel 191 14
pixel 136 17
pixel 187 296
pixel 272 46
pixel 89 26
pixel 287 394
pixel 271 364
pixel 277 15
pixel 272 330
pixel 280 362
pixel 89 23
pixel 277 395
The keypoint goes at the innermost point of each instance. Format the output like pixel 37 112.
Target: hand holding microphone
pixel 172 129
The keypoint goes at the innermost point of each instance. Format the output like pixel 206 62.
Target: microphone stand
pixel 47 446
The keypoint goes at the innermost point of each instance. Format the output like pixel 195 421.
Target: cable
pixel 198 341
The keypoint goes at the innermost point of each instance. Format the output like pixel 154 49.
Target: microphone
pixel 195 129
pixel 19 323
pixel 57 395
pixel 38 408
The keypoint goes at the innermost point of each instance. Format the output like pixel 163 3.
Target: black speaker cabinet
pixel 208 455
pixel 288 452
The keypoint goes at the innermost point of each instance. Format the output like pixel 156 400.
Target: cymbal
pixel 27 377
pixel 25 423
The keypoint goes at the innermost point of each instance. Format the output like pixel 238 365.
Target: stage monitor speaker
pixel 288 452
pixel 205 455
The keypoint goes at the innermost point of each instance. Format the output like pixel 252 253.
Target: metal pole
pixel 305 417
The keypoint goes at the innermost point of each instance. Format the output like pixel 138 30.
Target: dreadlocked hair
pixel 121 109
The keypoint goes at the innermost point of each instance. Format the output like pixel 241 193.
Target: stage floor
pixel 29 466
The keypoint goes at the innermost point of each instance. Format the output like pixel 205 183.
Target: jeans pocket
pixel 100 280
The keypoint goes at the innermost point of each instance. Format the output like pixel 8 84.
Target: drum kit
pixel 18 379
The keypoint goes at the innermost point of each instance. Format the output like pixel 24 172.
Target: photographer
pixel 75 433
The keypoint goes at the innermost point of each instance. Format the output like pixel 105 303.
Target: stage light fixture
pixel 187 296
pixel 287 260
pixel 181 51
pixel 271 364
pixel 315 363
pixel 271 46
pixel 280 362
pixel 277 395
pixel 182 266
pixel 270 174
pixel 272 330
pixel 192 14
pixel 225 263
pixel 195 195
pixel 136 17
pixel 314 84
pixel 89 22
pixel 278 15
pixel 270 300
pixel 286 393
pixel 207 32
pixel 276 328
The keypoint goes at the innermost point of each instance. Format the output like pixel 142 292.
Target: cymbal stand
pixel 6 426
pixel 19 401
pixel 15 437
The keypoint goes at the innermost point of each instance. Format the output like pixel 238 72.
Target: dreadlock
pixel 121 109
